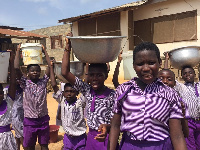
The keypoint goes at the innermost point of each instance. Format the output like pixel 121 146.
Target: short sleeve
pixel 58 96
pixel 81 86
pixel 175 108
pixel 23 82
pixel 117 102
pixel 45 78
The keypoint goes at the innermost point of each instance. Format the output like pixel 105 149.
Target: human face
pixel 146 66
pixel 188 75
pixel 70 94
pixel 167 78
pixel 34 73
pixel 96 78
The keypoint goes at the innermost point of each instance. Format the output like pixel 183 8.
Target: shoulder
pixel 126 85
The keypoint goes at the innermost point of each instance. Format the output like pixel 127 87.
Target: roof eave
pixel 103 12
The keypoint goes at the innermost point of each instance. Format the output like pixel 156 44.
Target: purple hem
pixel 5 128
pixel 3 107
pixel 36 121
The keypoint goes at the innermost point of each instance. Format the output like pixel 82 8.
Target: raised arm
pixel 48 61
pixel 166 60
pixel 86 72
pixel 12 87
pixel 16 63
pixel 53 78
pixel 116 72
pixel 66 64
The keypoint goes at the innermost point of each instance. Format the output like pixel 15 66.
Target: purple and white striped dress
pixel 7 140
pixel 145 114
pixel 18 114
pixel 35 97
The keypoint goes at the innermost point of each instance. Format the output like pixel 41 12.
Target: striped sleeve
pixel 176 109
pixel 117 102
pixel 58 96
pixel 23 82
pixel 81 86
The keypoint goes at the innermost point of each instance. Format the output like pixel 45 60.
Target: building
pixel 168 23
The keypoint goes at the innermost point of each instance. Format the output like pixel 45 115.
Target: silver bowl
pixel 96 49
pixel 76 68
pixel 184 56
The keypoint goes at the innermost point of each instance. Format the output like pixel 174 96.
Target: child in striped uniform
pixel 147 111
pixel 17 110
pixel 189 92
pixel 72 117
pixel 36 118
pixel 7 140
pixel 99 100
pixel 168 78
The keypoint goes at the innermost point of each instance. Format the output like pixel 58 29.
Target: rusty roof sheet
pixel 19 34
pixel 105 11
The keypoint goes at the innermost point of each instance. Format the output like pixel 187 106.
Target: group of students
pixel 153 111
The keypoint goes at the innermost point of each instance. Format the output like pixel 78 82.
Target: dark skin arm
pixel 176 134
pixel 116 72
pixel 114 132
pixel 12 87
pixel 66 64
pixel 86 72
pixel 16 63
pixel 184 122
pixel 53 78
pixel 47 72
pixel 166 60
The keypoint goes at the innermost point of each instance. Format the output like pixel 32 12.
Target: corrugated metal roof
pixel 105 11
pixel 19 34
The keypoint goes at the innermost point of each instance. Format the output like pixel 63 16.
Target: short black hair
pixel 168 71
pixel 100 65
pixel 30 65
pixel 187 66
pixel 69 85
pixel 147 46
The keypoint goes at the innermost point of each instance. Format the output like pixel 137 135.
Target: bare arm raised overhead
pixel 66 63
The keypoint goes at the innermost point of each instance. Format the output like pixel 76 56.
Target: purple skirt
pixel 74 142
pixel 93 144
pixel 128 144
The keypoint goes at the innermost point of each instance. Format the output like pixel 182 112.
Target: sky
pixel 36 14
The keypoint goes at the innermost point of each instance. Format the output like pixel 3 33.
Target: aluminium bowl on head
pixel 184 56
pixel 96 49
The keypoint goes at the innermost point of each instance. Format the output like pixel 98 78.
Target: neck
pixel 141 84
pixel 100 90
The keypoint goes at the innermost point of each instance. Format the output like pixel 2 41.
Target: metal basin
pixel 76 68
pixel 184 56
pixel 96 49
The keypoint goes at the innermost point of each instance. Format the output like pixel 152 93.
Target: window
pixel 166 29
pixel 56 42
pixel 104 25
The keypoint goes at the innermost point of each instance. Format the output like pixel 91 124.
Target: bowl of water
pixel 96 49
pixel 184 56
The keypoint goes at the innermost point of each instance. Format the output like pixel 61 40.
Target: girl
pixel 147 111
pixel 99 100
pixel 7 140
